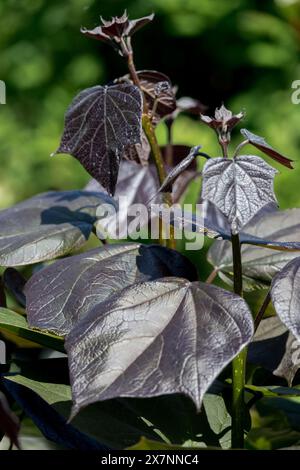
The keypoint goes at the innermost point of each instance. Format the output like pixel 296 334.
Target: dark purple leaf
pixel 161 337
pixel 99 124
pixel 135 185
pixel 158 92
pixel 9 423
pixel 238 187
pixel 172 157
pixel 224 121
pixel 276 349
pixel 52 425
pixel 15 283
pixel 190 105
pixel 139 153
pixel 285 295
pixel 261 144
pixel 273 229
pixel 3 302
pixel 117 28
pixel 60 295
pixel 178 170
pixel 47 226
pixel 179 152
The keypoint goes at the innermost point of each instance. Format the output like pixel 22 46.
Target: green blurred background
pixel 242 52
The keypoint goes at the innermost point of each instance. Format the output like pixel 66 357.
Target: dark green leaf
pixel 17 324
pixel 278 230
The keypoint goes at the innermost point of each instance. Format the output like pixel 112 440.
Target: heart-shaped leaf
pixel 261 144
pixel 99 124
pixel 60 295
pixel 155 338
pixel 178 170
pixel 285 295
pixel 47 226
pixel 17 324
pixel 238 187
pixel 277 230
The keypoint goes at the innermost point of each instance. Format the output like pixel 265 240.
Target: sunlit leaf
pixel 278 230
pixel 115 423
pixel 261 144
pixel 47 226
pixel 99 124
pixel 63 293
pixel 178 170
pixel 17 324
pixel 238 187
pixel 155 338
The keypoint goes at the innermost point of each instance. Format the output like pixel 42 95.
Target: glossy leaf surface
pixel 285 294
pixel 155 338
pixel 47 226
pixel 99 124
pixel 238 187
pixel 63 293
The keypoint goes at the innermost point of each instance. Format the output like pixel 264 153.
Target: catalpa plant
pixel 137 348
